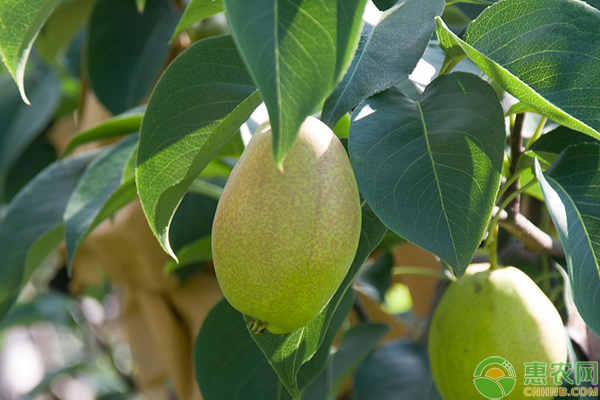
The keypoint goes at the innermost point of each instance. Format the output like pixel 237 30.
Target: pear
pixel 498 313
pixel 284 239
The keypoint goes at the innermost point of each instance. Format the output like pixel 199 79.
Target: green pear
pixel 486 327
pixel 284 239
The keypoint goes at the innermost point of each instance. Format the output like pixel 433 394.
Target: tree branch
pixel 516 148
pixel 533 237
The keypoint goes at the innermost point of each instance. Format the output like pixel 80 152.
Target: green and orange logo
pixel 494 378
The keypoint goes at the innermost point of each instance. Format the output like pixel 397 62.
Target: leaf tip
pixel 22 92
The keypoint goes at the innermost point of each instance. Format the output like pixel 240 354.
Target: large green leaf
pixel 546 54
pixel 99 182
pixel 196 11
pixel 227 363
pixel 571 188
pixel 549 146
pixel 557 140
pixel 20 124
pixel 593 3
pixel 20 23
pixel 386 55
pixel 120 125
pixel 398 370
pixel 32 227
pixel 126 50
pixel 430 169
pixel 225 353
pixel 196 108
pixel 297 51
pixel 286 353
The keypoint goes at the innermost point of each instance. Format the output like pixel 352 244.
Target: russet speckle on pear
pixel 493 313
pixel 284 239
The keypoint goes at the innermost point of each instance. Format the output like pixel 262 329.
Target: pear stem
pixel 494 248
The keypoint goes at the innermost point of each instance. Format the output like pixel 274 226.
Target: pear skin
pixel 493 313
pixel 284 239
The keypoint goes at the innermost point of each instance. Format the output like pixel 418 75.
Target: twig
pixel 516 148
pixel 533 237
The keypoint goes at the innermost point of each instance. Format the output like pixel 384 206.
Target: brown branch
pixel 516 149
pixel 533 237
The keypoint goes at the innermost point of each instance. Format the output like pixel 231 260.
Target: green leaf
pixel 430 169
pixel 398 370
pixel 571 189
pixel 139 42
pixel 543 53
pixel 121 125
pixel 181 134
pixel 61 27
pixel 355 345
pixel 129 169
pixel 311 370
pixel 557 140
pixel 286 353
pixel 20 124
pixel 225 352
pixel 297 51
pixel 386 55
pixel 99 182
pixel 30 227
pixel 20 23
pixel 384 5
pixel 546 150
pixel 196 11
pixel 593 3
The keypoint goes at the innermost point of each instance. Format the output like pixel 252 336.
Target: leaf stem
pixel 505 203
pixel 537 133
pixel 206 188
pixel 424 272
pixel 449 64
pixel 506 185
